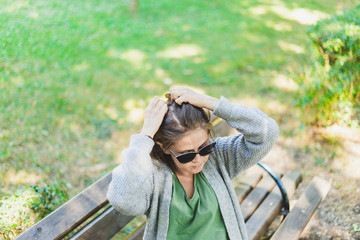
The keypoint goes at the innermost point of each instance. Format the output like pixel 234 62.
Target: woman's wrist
pixel 211 103
pixel 147 133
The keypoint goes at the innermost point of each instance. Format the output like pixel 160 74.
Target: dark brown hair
pixel 178 121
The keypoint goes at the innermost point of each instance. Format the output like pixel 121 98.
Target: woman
pixel 177 174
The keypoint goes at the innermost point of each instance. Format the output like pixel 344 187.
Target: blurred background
pixel 75 77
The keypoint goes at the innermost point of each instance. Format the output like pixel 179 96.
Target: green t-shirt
pixel 198 217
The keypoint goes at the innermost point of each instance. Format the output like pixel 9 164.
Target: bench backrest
pixel 89 216
pixel 89 211
pixel 93 218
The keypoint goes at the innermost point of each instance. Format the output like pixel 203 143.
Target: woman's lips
pixel 196 166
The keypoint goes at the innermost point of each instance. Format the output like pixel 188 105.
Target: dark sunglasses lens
pixel 207 149
pixel 187 157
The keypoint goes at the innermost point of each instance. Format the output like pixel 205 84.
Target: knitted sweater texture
pixel 141 185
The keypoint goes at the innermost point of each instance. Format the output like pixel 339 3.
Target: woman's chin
pixel 197 169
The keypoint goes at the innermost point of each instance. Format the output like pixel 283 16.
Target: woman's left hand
pixel 185 94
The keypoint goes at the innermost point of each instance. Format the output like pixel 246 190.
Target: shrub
pixel 49 198
pixel 16 213
pixel 20 211
pixel 331 93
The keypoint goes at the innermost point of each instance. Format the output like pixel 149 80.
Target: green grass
pixel 67 83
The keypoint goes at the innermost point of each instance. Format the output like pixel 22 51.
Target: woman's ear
pixel 163 148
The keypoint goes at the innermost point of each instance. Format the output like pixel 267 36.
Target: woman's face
pixel 191 142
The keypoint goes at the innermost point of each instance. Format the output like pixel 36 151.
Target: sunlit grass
pixel 75 75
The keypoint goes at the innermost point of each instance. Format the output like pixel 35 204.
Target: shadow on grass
pixel 72 72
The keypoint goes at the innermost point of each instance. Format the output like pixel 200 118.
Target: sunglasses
pixel 188 157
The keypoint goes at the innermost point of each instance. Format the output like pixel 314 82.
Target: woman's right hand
pixel 154 115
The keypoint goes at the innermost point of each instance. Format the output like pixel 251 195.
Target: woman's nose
pixel 197 159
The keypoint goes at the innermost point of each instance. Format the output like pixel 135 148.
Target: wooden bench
pixel 89 215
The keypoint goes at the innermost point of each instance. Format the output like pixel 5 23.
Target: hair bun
pixel 168 96
pixel 169 99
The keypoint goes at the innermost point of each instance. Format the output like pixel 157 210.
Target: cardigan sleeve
pixel 257 135
pixel 131 186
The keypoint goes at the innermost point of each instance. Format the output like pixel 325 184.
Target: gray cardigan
pixel 141 185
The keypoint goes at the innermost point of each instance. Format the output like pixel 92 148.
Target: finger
pixel 159 103
pixel 180 100
pixel 152 103
pixel 173 89
pixel 177 88
pixel 164 108
pixel 176 94
pixel 154 100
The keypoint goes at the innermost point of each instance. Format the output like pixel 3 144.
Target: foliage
pixel 16 213
pixel 356 227
pixel 49 198
pixel 20 211
pixel 74 74
pixel 331 94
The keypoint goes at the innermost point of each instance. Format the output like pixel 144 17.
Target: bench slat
pixel 249 188
pixel 256 196
pixel 295 222
pixel 70 215
pixel 221 128
pixel 270 207
pixel 245 182
pixel 138 233
pixel 104 226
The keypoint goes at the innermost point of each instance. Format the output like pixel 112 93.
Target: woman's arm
pixel 131 187
pixel 257 135
pixel 257 131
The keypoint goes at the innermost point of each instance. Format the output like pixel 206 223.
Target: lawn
pixel 76 75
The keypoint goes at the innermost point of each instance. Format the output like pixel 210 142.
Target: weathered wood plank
pixel 70 215
pixel 138 233
pixel 270 207
pixel 83 206
pixel 246 181
pixel 295 222
pixel 256 196
pixel 104 226
pixel 221 128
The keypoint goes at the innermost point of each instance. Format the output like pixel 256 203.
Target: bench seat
pixel 89 215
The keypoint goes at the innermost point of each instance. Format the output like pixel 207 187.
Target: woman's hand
pixel 154 115
pixel 185 94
